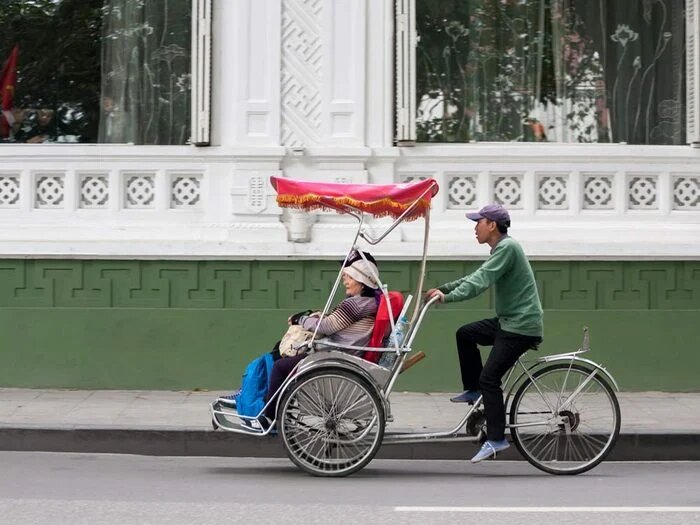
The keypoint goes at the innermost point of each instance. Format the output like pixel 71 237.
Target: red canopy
pixel 377 199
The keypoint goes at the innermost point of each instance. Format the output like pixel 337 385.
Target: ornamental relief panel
pixel 563 285
pixel 686 192
pixel 508 190
pixel 553 191
pixel 9 190
pixel 642 192
pixel 252 194
pixel 139 190
pixel 49 190
pixel 301 72
pixel 598 191
pixel 94 190
pixel 462 191
pixel 185 190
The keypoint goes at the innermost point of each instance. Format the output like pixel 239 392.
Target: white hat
pixel 363 271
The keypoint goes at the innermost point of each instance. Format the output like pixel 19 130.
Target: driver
pixel 517 328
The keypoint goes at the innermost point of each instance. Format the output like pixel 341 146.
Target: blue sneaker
pixel 228 400
pixel 468 396
pixel 489 449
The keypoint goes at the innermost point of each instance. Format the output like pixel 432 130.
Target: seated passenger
pixel 350 323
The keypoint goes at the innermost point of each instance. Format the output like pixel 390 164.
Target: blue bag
pixel 256 378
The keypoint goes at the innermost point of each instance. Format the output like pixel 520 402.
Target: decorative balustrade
pixel 554 191
pixel 95 190
pixel 209 203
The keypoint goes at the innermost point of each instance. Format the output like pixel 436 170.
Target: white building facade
pixel 312 89
pixel 138 259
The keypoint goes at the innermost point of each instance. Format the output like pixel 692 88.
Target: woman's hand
pixel 294 319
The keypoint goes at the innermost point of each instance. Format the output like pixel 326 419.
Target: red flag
pixel 8 81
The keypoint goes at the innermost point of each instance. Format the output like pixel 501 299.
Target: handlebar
pixel 431 301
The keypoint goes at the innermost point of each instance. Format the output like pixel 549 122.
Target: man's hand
pixel 434 292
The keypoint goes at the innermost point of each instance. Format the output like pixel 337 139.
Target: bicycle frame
pixel 510 387
pixel 570 357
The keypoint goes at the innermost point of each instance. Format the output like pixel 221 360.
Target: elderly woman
pixel 350 323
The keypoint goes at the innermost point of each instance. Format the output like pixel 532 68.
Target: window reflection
pixel 109 71
pixel 551 70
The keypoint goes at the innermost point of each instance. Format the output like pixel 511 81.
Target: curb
pixel 178 442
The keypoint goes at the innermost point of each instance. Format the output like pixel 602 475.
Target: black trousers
pixel 507 348
pixel 280 371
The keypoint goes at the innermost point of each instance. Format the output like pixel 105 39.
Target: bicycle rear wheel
pixel 565 419
pixel 331 422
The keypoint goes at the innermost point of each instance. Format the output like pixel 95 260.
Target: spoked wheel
pixel 565 421
pixel 332 422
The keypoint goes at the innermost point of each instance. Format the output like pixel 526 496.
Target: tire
pixel 570 439
pixel 332 422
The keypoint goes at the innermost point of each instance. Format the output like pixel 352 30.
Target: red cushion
pixel 382 324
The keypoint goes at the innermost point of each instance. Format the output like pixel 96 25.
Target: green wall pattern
pixel 195 324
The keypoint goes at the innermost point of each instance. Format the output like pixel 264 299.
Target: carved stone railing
pixel 566 201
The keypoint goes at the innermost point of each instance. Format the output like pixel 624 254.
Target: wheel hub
pixel 569 419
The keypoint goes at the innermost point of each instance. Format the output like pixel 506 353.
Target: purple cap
pixel 492 212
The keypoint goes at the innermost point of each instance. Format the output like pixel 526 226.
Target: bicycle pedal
pixel 476 423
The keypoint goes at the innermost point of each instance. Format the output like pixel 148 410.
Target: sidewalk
pixel 654 425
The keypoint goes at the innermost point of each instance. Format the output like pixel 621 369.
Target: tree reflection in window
pixel 551 70
pixel 146 72
pixel 99 70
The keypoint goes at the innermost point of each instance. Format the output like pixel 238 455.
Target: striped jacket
pixel 350 323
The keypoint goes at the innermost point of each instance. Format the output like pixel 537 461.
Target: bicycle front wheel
pixel 565 419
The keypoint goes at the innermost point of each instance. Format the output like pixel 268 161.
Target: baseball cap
pixel 492 212
pixel 364 272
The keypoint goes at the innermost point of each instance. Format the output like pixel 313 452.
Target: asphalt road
pixel 49 488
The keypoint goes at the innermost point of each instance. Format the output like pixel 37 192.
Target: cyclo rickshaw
pixel 332 410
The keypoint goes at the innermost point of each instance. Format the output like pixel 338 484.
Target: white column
pixel 247 66
pixel 344 62
pixel 379 106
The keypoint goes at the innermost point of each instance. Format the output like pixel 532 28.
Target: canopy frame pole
pixel 421 274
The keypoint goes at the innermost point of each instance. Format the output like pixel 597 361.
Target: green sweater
pixel 517 304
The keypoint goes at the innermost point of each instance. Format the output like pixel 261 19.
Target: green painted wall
pixel 185 325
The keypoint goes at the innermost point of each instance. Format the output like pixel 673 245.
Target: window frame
pixel 200 130
pixel 692 46
pixel 405 55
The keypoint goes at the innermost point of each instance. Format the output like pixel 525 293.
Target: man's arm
pixel 440 291
pixel 480 280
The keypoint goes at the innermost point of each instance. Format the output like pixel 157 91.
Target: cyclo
pixel 332 410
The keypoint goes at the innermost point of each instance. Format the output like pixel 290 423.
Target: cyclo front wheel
pixel 565 419
pixel 332 422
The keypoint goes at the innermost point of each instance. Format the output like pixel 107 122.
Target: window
pixel 545 71
pixel 103 71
